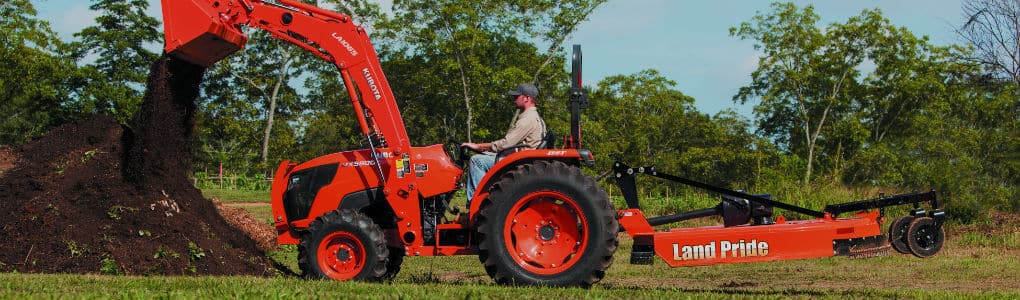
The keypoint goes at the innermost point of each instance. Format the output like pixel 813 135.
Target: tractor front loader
pixel 535 218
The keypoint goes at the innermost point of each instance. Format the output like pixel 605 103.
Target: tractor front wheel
pixel 344 245
pixel 546 223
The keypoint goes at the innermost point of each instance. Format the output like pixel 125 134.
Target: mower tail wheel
pixel 925 237
pixel 898 234
pixel 344 245
pixel 546 223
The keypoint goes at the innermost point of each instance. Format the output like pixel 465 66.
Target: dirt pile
pixel 94 197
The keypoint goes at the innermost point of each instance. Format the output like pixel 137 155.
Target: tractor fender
pixel 569 156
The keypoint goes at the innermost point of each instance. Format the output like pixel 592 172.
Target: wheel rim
pixel 545 232
pixel 341 255
pixel 926 237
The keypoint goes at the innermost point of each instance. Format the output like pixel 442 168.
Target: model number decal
pixel 721 249
pixel 358 163
pixel 347 45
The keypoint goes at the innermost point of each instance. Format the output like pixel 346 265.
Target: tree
pixel 34 75
pixel 253 90
pixel 643 119
pixel 476 49
pixel 803 79
pixel 993 28
pixel 116 46
pixel 255 104
pixel 328 123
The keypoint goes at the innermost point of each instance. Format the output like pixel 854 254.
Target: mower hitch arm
pixel 883 201
pixel 625 180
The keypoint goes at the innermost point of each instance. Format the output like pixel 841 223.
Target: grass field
pixel 960 271
pixel 965 269
pixel 978 261
pixel 230 195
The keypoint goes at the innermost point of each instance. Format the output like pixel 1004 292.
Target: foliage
pixel 257 182
pixel 34 74
pixel 669 132
pixel 110 267
pixel 804 77
pixel 455 60
pixel 869 103
pixel 113 80
pixel 195 252
pixel 861 103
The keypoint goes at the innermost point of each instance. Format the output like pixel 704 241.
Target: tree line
pixel 861 102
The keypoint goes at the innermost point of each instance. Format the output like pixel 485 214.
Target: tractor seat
pixel 548 142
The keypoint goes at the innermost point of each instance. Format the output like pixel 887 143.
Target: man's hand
pixel 478 147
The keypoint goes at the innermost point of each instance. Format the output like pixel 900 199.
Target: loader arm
pixel 205 31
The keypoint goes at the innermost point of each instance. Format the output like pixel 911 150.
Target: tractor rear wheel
pixel 898 234
pixel 546 223
pixel 344 245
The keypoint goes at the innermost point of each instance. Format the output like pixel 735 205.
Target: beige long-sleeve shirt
pixel 529 129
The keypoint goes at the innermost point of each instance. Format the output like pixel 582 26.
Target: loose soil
pixel 96 197
pixel 8 159
pixel 235 214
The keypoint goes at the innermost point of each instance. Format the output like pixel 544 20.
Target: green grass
pixel 975 263
pixel 229 195
pixel 30 286
pixel 970 266
pixel 262 213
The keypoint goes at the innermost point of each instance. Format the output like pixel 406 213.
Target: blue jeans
pixel 480 164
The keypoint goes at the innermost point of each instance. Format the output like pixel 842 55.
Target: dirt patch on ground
pixel 263 234
pixel 94 197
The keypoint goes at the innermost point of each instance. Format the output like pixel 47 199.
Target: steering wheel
pixel 463 152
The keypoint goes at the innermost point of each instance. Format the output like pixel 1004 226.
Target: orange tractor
pixel 535 219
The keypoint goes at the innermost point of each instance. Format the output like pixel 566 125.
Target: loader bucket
pixel 195 32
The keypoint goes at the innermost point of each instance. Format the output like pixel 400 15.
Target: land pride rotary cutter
pixel 536 218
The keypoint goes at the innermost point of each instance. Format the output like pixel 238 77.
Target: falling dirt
pixel 96 197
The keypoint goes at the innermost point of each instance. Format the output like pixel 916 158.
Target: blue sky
pixel 687 41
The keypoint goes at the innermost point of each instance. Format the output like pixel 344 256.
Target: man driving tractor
pixel 528 130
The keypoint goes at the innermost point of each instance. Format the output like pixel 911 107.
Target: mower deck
pixel 784 240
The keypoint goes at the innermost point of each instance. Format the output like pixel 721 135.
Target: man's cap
pixel 526 89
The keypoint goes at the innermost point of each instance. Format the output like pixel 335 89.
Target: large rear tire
pixel 546 223
pixel 344 245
